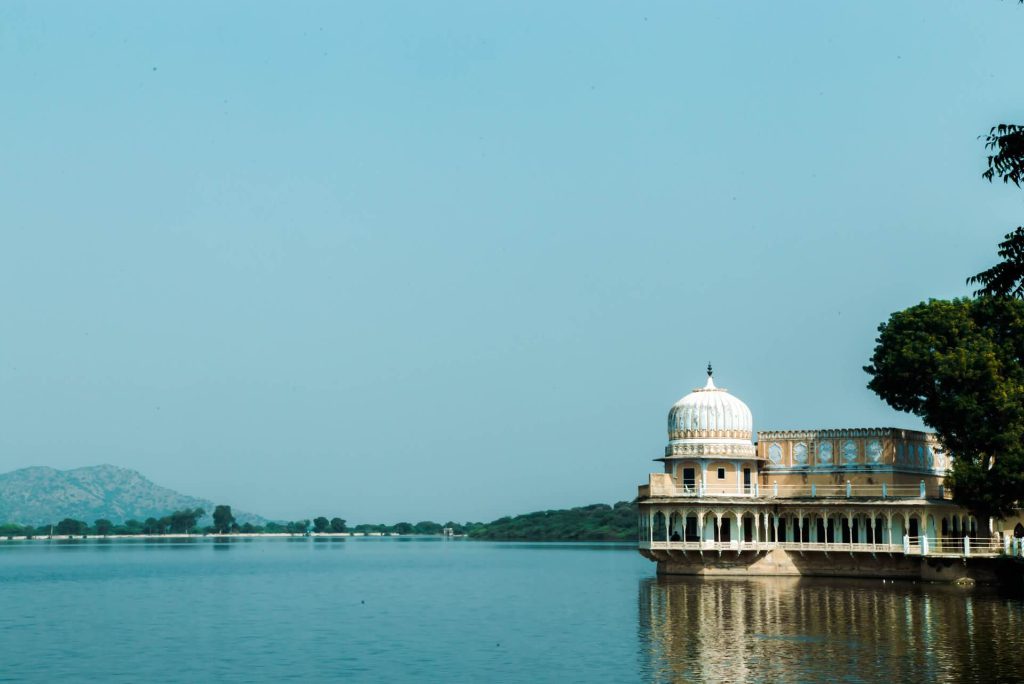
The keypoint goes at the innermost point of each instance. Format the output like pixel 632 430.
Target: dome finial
pixel 710 384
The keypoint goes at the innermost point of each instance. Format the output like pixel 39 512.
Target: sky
pixel 456 260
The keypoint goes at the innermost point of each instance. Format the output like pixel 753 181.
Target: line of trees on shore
pixel 597 522
pixel 185 521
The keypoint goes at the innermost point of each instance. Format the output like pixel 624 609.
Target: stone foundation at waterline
pixel 780 562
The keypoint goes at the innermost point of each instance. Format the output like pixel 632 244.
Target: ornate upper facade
pixel 711 452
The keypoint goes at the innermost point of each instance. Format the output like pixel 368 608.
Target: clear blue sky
pixel 456 260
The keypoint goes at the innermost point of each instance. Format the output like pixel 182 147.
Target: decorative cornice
pixel 853 467
pixel 710 434
pixel 710 450
pixel 894 433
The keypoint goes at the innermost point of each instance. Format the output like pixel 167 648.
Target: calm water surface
pixel 446 611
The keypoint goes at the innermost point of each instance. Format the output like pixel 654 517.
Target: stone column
pixel 739 478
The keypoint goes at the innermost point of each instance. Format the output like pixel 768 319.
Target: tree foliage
pixel 1005 279
pixel 70 526
pixel 223 520
pixel 297 527
pixel 959 365
pixel 597 522
pixel 1005 143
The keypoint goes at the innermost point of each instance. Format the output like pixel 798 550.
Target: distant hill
pixel 41 495
pixel 597 522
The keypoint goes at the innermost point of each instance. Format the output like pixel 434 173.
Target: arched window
pixel 1018 531
pixel 659 526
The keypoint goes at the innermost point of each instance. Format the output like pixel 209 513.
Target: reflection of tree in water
pixel 800 629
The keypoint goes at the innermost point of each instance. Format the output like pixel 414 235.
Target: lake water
pixel 458 611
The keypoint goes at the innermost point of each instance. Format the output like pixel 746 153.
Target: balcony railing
pixel 811 491
pixel 961 547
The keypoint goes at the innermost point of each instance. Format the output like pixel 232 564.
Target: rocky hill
pixel 41 495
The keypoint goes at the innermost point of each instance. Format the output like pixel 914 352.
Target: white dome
pixel 710 421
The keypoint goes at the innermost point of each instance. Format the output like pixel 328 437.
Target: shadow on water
pixel 326 542
pixel 805 629
pixel 571 546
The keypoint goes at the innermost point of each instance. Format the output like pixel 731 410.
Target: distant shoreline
pixel 229 535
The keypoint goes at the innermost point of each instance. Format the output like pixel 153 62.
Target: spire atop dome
pixel 710 384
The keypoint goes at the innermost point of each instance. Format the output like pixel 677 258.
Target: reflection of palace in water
pixel 789 629
pixel 864 501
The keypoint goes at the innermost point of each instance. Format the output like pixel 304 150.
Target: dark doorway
pixel 689 478
pixel 746 480
pixel 691 529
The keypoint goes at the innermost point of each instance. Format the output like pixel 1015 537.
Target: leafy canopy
pixel 1005 279
pixel 223 519
pixel 1006 144
pixel 959 365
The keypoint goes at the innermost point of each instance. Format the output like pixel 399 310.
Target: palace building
pixel 847 501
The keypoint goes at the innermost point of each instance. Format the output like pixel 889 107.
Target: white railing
pixel 850 490
pixel 712 490
pixel 910 546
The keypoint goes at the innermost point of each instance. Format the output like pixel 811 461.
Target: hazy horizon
pixel 410 261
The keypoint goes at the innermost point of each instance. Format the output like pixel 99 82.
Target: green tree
pixel 1005 279
pixel 11 530
pixel 321 524
pixel 959 365
pixel 337 525
pixel 223 519
pixel 70 526
pixel 103 527
pixel 1006 160
pixel 183 521
pixel 298 527
pixel 427 527
pixel 1005 142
